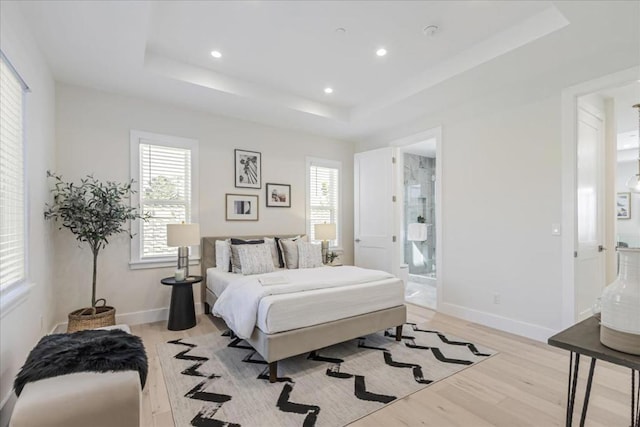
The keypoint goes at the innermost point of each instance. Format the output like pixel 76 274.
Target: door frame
pixel 433 133
pixel 569 107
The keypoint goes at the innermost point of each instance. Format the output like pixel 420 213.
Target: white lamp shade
pixel 417 232
pixel 325 231
pixel 183 235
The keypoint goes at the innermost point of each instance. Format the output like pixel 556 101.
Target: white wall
pixel 501 193
pixel 93 137
pixel 23 326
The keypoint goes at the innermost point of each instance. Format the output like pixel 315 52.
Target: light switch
pixel 555 229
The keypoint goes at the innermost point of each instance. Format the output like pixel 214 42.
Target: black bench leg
pixel 398 333
pixel 273 371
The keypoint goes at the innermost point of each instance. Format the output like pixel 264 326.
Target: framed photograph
pixel 241 207
pixel 278 195
pixel 623 206
pixel 248 169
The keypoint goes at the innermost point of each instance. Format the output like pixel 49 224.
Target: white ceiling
pixel 279 55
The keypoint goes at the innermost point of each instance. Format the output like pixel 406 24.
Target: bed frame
pixel 281 345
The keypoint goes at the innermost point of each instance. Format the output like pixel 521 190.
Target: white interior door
pixel 589 262
pixel 374 209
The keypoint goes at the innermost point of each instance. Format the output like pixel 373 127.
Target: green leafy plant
pixel 93 211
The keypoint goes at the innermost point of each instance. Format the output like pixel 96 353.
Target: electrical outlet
pixel 496 298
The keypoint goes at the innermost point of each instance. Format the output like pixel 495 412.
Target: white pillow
pixel 309 255
pixel 255 259
pixel 223 255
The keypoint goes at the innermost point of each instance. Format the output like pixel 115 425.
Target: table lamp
pixel 183 235
pixel 325 232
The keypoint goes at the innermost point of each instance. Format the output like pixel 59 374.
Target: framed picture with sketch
pixel 248 169
pixel 623 206
pixel 241 207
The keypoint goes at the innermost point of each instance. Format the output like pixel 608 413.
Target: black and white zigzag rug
pixel 215 380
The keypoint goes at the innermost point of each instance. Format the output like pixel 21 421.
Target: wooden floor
pixel 524 385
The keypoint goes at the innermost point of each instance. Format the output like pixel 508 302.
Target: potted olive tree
pixel 93 211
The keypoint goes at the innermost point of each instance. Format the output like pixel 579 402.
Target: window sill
pixel 13 297
pixel 163 263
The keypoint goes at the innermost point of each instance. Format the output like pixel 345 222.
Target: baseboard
pixel 529 330
pixel 138 317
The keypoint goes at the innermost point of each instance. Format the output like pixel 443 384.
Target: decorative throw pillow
pixel 281 262
pixel 223 255
pixel 289 250
pixel 236 266
pixel 309 254
pixel 279 248
pixel 255 259
pixel 273 247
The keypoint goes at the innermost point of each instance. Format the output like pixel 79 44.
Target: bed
pixel 292 324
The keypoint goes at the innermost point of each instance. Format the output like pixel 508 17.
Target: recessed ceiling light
pixel 381 52
pixel 341 31
pixel 328 90
pixel 216 54
pixel 430 30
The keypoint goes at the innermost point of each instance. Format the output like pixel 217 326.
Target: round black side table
pixel 182 313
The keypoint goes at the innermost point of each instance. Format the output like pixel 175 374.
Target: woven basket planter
pixel 91 318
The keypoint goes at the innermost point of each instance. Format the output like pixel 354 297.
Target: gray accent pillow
pixel 289 250
pixel 273 247
pixel 309 254
pixel 236 266
pixel 255 259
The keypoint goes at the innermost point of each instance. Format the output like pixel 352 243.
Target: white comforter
pixel 238 304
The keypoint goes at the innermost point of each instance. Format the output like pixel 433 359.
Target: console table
pixel 584 339
pixel 182 313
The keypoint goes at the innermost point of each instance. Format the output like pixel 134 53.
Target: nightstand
pixel 182 313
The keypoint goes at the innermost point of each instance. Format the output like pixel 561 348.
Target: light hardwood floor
pixel 524 385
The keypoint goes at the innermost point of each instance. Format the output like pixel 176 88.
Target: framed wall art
pixel 278 195
pixel 248 169
pixel 623 206
pixel 241 207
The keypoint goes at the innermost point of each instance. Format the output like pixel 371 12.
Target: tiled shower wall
pixel 419 200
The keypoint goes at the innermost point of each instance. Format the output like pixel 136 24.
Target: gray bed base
pixel 281 345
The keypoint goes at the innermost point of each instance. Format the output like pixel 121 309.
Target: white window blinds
pixel 324 197
pixel 12 186
pixel 165 194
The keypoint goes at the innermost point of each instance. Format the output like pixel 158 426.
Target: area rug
pixel 217 380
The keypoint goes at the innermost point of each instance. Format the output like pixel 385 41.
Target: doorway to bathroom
pixel 418 245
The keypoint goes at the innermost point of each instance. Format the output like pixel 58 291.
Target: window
pixel 165 170
pixel 323 196
pixel 13 224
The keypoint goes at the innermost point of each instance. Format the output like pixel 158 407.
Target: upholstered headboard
pixel 208 247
